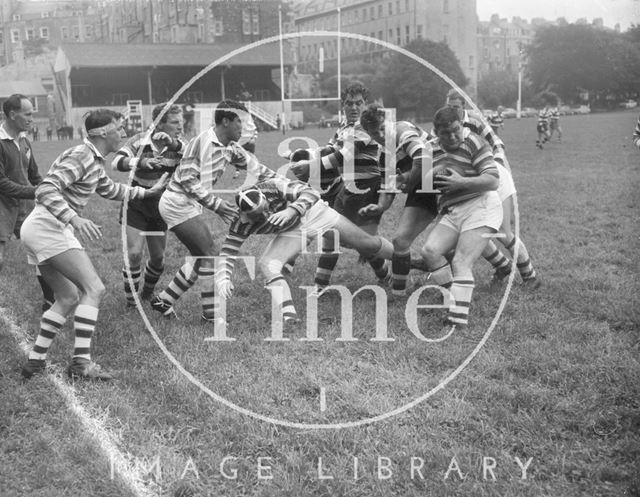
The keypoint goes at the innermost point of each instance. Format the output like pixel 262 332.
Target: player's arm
pixel 32 170
pixel 301 198
pixel 385 199
pixel 10 188
pixel 488 178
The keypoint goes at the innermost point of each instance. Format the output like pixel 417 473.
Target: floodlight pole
pixel 283 120
pixel 519 103
pixel 339 47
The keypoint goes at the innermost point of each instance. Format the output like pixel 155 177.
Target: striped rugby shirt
pixel 73 177
pixel 411 145
pixel 554 114
pixel 476 123
pixel 204 161
pixel 543 117
pixel 352 142
pixel 472 158
pixel 280 193
pixel 636 134
pixel 141 143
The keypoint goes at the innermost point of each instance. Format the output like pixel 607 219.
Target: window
pixel 390 39
pixel 445 6
pixel 30 35
pixel 88 31
pixel 419 31
pixel 470 61
pixel 120 99
pixel 256 23
pixel 200 32
pixel 380 11
pixel 16 17
pixel 398 7
pixel 219 29
pixel 15 36
pixel 246 22
pixel 390 9
pixel 64 33
pixel 406 5
pixel 45 14
pixel 75 31
pixel 407 32
pixel 380 35
pixel 44 33
pixel 398 39
pixel 372 13
pixel 364 14
pixel 1 36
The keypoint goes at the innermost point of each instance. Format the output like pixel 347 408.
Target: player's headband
pixel 103 130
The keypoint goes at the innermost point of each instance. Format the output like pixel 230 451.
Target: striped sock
pixel 84 323
pixel 523 262
pixel 461 291
pixel 282 303
pixel 207 295
pixel 497 259
pixel 47 291
pixel 379 267
pixel 135 276
pixel 184 279
pixel 326 264
pixel 151 276
pixel 50 325
pixel 400 267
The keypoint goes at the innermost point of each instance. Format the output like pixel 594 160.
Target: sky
pixel 625 12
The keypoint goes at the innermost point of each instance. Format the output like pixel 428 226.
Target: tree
pixel 568 59
pixel 413 89
pixel 498 88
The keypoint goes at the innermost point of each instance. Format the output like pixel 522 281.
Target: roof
pixel 162 55
pixel 29 88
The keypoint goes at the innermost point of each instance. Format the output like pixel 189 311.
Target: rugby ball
pixel 300 154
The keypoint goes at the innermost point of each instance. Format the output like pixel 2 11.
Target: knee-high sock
pixel 441 276
pixel 84 324
pixel 135 276
pixel 184 279
pixel 208 294
pixel 50 325
pixel 151 276
pixel 400 267
pixel 461 292
pixel 523 262
pixel 497 259
pixel 326 264
pixel 282 303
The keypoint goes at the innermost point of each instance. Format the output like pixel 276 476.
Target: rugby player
pixel 150 154
pixel 293 210
pixel 636 134
pixel 542 126
pixel 52 236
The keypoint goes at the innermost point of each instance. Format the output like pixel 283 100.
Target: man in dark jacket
pixel 18 175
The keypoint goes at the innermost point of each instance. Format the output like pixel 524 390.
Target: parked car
pixel 487 113
pixel 629 104
pixel 508 112
pixel 582 109
pixel 565 110
pixel 528 112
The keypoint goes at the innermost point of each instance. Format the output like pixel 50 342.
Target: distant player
pixel 294 212
pixel 150 154
pixel 554 123
pixel 496 121
pixel 636 134
pixel 542 126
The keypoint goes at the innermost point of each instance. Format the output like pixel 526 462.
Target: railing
pixel 261 114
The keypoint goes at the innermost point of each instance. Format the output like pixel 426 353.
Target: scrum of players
pixel 454 179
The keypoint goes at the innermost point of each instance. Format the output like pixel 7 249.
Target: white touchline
pixel 323 399
pixel 92 426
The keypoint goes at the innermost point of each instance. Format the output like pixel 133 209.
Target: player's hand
pixel 371 210
pixel 224 288
pixel 282 217
pixel 451 183
pixel 227 211
pixel 162 137
pixel 158 187
pixel 86 229
pixel 150 164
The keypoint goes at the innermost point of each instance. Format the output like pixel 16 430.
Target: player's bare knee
pixel 401 244
pixel 94 289
pixel 135 259
pixel 68 301
pixel 269 267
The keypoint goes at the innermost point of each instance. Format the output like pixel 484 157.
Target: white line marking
pixel 323 399
pixel 494 235
pixel 152 233
pixel 106 441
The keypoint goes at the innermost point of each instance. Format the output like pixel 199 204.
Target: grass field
pixel 556 386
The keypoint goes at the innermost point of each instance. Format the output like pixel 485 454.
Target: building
pixel 110 74
pixel 393 21
pixel 500 43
